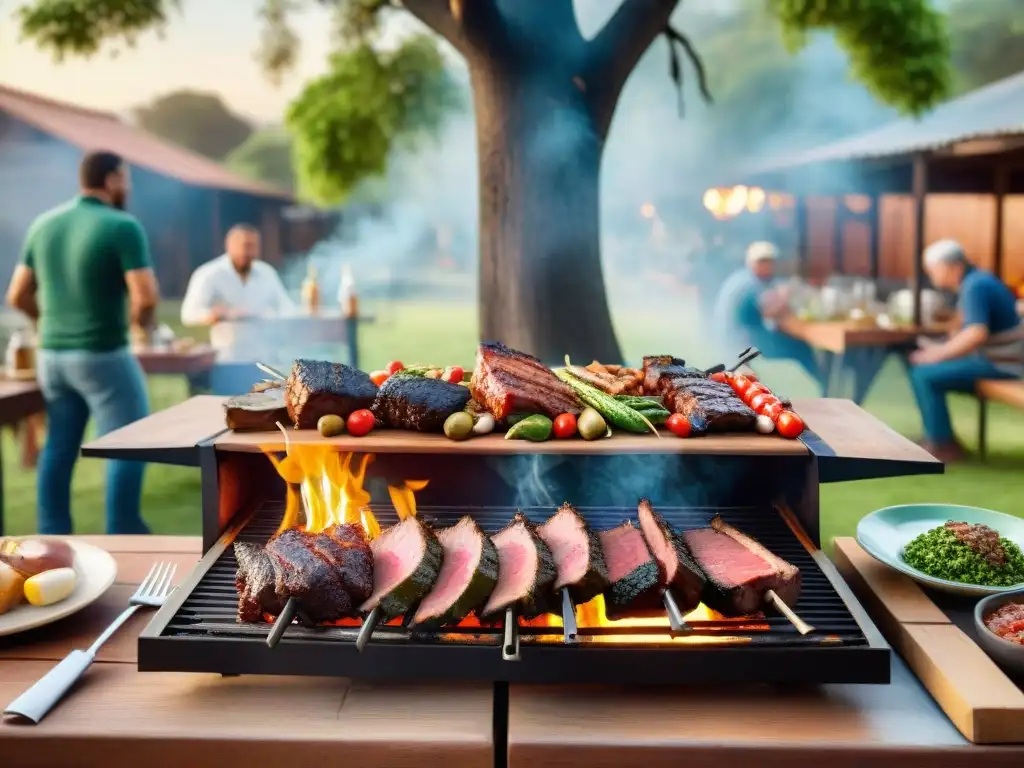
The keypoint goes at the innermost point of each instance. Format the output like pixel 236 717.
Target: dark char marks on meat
pixel 256 580
pixel 406 561
pixel 676 565
pixel 469 572
pixel 417 403
pixel 577 551
pixel 632 570
pixel 316 388
pixel 507 381
pixel 526 571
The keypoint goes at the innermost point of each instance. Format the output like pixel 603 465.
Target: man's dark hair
pixel 96 166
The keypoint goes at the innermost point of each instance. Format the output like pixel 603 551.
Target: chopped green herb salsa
pixel 944 554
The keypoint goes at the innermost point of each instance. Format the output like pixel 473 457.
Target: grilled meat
pixel 507 382
pixel 469 572
pixel 256 411
pixel 739 570
pixel 632 570
pixel 416 403
pixel 659 369
pixel 709 405
pixel 318 388
pixel 983 540
pixel 675 563
pixel 526 571
pixel 577 553
pixel 406 561
pixel 328 573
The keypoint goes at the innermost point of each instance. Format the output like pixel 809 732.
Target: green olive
pixel 330 425
pixel 458 426
pixel 591 425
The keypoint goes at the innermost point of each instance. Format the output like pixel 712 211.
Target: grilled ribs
pixel 419 404
pixel 506 382
pixel 708 405
pixel 318 388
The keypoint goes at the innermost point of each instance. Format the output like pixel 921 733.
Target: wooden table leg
pixel 828 371
pixel 866 364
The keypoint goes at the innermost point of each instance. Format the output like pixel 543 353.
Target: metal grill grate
pixel 202 633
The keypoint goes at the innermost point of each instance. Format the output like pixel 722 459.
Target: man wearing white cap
pixel 746 300
pixel 989 343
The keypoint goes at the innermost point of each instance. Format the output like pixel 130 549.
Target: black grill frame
pixel 196 630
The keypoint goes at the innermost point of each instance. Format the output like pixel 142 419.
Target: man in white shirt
pixel 231 294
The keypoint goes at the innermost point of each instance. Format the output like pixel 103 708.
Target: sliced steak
pixel 660 369
pixel 632 570
pixel 256 581
pixel 318 388
pixel 256 411
pixel 526 571
pixel 506 381
pixel 417 403
pixel 739 570
pixel 708 405
pixel 675 563
pixel 406 561
pixel 577 553
pixel 469 571
pixel 309 577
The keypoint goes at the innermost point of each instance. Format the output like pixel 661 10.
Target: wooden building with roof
pixel 186 202
pixel 868 204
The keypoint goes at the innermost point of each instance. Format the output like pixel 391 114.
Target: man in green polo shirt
pixel 85 272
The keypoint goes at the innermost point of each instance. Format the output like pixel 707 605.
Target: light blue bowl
pixel 885 532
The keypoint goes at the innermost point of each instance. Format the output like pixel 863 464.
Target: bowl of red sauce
pixel 1000 623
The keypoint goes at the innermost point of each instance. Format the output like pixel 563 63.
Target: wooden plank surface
pixel 839 335
pixel 194 360
pixel 983 703
pixel 200 721
pixel 1008 392
pixel 395 441
pixel 19 400
pixel 175 431
pixel 839 726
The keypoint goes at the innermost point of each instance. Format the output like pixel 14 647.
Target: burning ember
pixel 729 202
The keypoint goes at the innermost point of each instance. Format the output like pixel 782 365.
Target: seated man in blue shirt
pixel 747 300
pixel 989 343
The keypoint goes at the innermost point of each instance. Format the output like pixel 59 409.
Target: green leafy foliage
pixel 265 156
pixel 201 122
pixel 898 48
pixel 346 122
pixel 988 41
pixel 82 27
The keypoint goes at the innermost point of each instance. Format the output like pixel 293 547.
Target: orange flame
pixel 404 498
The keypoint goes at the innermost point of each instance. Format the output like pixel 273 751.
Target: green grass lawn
pixel 446 333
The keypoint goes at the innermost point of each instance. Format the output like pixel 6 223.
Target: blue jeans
pixel 109 386
pixel 778 346
pixel 932 381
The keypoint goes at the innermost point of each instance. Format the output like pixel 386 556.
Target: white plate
pixel 95 570
pixel 885 532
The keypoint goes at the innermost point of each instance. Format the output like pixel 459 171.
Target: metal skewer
pixel 801 626
pixel 273 372
pixel 568 618
pixel 366 630
pixel 510 645
pixel 282 622
pixel 675 616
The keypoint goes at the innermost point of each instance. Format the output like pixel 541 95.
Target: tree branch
pixel 460 22
pixel 616 49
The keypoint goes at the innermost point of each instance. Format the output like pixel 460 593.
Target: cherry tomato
pixel 678 425
pixel 565 425
pixel 740 384
pixel 752 376
pixel 394 366
pixel 761 400
pixel 360 422
pixel 379 377
pixel 773 410
pixel 789 425
pixel 719 377
pixel 453 375
pixel 753 390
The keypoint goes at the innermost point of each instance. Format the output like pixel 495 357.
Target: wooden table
pixel 182 362
pixel 18 401
pixel 854 347
pixel 119 716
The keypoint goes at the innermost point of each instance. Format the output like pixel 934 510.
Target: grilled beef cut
pixel 417 403
pixel 739 570
pixel 508 382
pixel 329 573
pixel 632 570
pixel 256 411
pixel 708 405
pixel 659 369
pixel 675 563
pixel 317 388
pixel 577 553
pixel 526 571
pixel 469 571
pixel 406 561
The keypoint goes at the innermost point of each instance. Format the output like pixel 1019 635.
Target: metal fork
pixel 37 701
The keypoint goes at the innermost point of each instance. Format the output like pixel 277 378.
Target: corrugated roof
pixel 997 110
pixel 90 129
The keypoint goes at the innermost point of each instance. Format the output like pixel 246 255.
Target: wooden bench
pixel 1008 392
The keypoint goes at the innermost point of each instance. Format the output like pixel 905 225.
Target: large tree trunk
pixel 541 285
